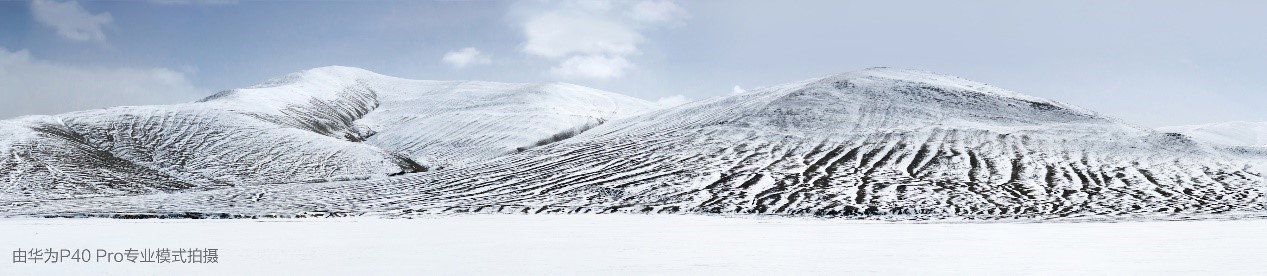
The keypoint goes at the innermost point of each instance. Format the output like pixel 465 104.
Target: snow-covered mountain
pixel 1240 134
pixel 876 142
pixel 323 124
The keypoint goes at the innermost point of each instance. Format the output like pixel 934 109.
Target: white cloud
pixel 662 11
pixel 592 66
pixel 466 57
pixel 72 21
pixel 554 35
pixel 597 35
pixel 738 90
pixel 671 101
pixel 33 86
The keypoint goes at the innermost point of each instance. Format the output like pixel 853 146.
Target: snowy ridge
pixel 323 124
pixel 436 123
pixel 41 156
pixel 1240 134
pixel 864 144
pixel 885 74
pixel 458 123
pixel 874 143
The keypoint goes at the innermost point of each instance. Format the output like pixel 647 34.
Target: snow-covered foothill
pixel 1240 134
pixel 324 124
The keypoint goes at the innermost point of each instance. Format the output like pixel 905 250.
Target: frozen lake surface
pixel 648 244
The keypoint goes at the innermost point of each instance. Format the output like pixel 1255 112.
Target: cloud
pixel 72 21
pixel 738 90
pixel 33 86
pixel 555 35
pixel 671 101
pixel 656 12
pixel 593 39
pixel 465 57
pixel 592 66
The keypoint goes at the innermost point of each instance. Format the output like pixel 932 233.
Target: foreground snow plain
pixel 617 244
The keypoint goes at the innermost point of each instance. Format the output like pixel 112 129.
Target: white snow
pixel 889 141
pixel 876 143
pixel 323 124
pixel 1244 134
pixel 650 245
pixel 437 123
pixel 449 123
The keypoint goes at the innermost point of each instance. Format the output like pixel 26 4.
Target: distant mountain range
pixel 879 142
pixel 1241 134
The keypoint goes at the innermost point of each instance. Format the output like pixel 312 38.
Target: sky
pixel 1151 63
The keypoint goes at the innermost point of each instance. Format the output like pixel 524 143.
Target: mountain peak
pixel 333 73
pixel 884 98
pixel 888 76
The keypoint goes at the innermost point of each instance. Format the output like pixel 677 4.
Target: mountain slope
pixel 40 155
pixel 437 123
pixel 324 124
pixel 877 142
pixel 1240 134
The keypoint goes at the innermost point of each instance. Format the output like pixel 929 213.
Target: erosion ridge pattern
pixel 874 143
pixel 319 125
